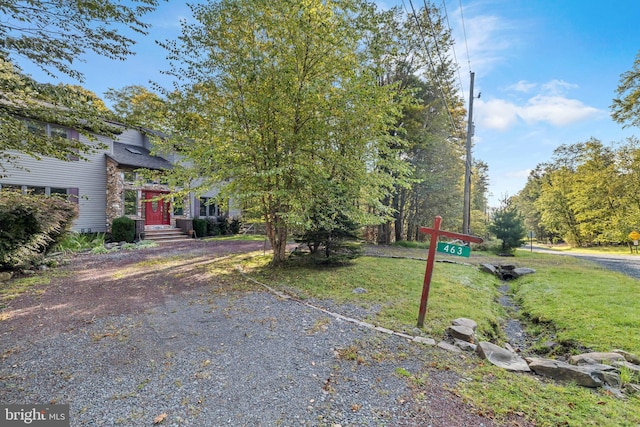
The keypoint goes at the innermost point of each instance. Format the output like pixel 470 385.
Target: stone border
pixel 418 339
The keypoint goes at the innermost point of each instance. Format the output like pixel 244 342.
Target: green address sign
pixel 451 249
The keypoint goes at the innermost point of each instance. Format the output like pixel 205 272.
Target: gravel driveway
pixel 123 351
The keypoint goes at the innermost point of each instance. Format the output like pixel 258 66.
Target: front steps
pixel 165 234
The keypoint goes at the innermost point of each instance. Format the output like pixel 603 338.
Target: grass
pixel 578 301
pixel 395 287
pixel 13 288
pixel 502 394
pixel 570 300
pixel 585 303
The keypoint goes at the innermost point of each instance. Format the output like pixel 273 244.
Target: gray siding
pixel 88 176
pixel 131 137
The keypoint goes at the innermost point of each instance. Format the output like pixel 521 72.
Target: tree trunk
pixel 277 233
pixel 399 206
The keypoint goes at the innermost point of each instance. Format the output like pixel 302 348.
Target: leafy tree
pixel 54 35
pixel 25 105
pixel 137 105
pixel 508 225
pixel 626 106
pixel 525 200
pixel 587 194
pixel 429 131
pixel 286 102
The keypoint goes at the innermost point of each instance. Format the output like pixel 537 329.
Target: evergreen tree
pixel 508 226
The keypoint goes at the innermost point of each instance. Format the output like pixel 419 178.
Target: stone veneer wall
pixel 115 192
pixel 115 195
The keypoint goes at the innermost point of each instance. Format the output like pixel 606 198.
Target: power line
pixel 464 31
pixel 453 49
pixel 435 74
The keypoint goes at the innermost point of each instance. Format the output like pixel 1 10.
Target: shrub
pixel 30 225
pixel 123 229
pixel 223 225
pixel 213 228
pixel 77 242
pixel 234 225
pixel 335 245
pixel 200 227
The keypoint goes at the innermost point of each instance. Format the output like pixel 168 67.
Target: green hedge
pixel 200 227
pixel 30 225
pixel 123 229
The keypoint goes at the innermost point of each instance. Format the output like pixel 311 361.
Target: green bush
pixel 200 227
pixel 77 242
pixel 123 229
pixel 234 225
pixel 30 225
pixel 213 228
pixel 223 225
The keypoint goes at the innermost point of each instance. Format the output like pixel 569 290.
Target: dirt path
pixel 124 338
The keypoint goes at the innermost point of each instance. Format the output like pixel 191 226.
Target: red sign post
pixel 435 232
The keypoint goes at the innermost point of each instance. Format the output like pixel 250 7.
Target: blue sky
pixel 547 71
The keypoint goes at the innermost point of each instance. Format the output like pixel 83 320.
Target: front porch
pixel 165 233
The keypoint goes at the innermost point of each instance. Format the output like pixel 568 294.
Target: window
pixel 37 128
pixel 71 194
pixel 57 131
pixel 208 207
pixel 42 129
pixel 130 202
pixel 178 210
pixel 10 187
pixel 129 177
pixel 36 190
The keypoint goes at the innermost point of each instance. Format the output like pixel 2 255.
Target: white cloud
pixel 523 86
pixel 547 104
pixel 557 110
pixel 496 114
pixel 487 39
pixel 557 87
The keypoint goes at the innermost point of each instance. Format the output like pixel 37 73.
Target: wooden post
pixel 435 232
pixel 429 270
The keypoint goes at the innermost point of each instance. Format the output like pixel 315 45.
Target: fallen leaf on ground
pixel 160 418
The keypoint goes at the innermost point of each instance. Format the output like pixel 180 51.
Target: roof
pixel 140 157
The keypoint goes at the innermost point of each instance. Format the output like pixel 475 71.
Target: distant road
pixel 626 264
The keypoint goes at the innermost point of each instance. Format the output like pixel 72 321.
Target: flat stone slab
pixel 630 357
pixel 502 357
pixel 590 358
pixel 631 366
pixel 424 340
pixel 464 345
pixel 521 271
pixel 463 333
pixel 449 347
pixel 463 321
pixel 582 375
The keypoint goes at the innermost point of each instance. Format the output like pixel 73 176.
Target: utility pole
pixel 466 215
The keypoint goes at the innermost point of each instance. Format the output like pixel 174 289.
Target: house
pixel 105 186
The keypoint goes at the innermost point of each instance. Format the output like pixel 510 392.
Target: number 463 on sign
pixel 451 249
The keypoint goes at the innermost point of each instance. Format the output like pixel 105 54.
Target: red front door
pixel 156 212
